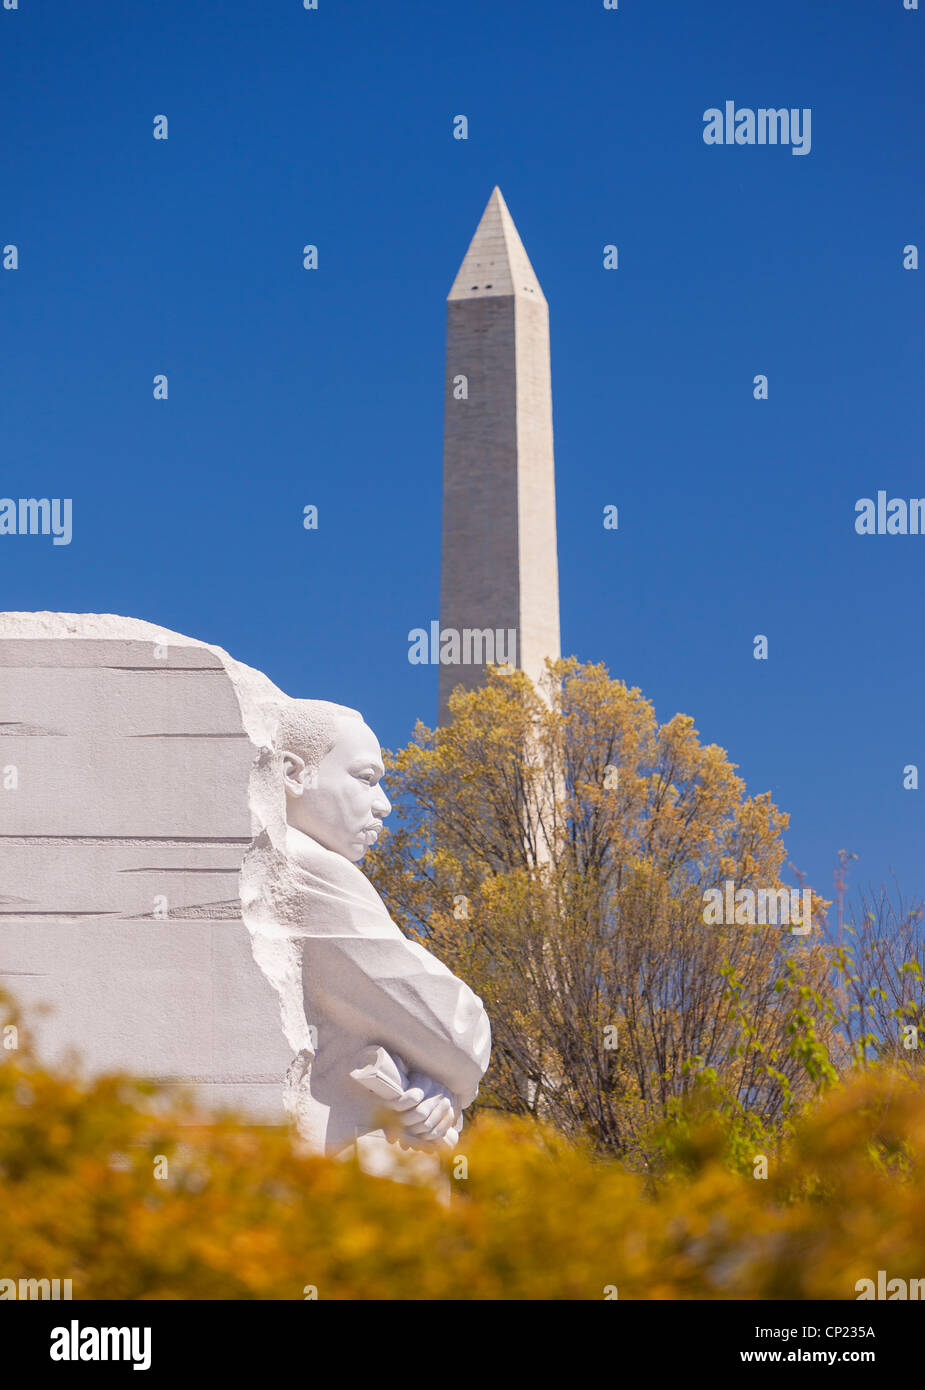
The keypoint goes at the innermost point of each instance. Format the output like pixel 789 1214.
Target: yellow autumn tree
pixel 553 847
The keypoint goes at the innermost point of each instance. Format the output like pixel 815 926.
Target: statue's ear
pixel 293 768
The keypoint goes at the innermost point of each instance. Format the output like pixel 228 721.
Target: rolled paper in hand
pixel 378 1071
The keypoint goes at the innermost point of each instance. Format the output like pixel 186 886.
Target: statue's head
pixel 332 767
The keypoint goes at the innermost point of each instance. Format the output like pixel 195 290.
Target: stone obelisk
pixel 500 572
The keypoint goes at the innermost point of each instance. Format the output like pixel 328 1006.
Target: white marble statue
pixel 204 920
pixel 389 1031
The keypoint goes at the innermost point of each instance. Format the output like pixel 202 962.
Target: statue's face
pixel 341 805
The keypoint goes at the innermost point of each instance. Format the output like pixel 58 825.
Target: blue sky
pixel 289 387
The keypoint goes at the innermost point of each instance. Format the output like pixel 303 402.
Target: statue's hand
pixel 428 1113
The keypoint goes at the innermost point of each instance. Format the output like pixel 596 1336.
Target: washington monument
pixel 500 573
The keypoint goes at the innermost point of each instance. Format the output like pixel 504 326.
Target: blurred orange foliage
pixel 236 1213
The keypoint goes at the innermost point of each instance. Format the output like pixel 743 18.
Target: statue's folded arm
pixel 390 991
